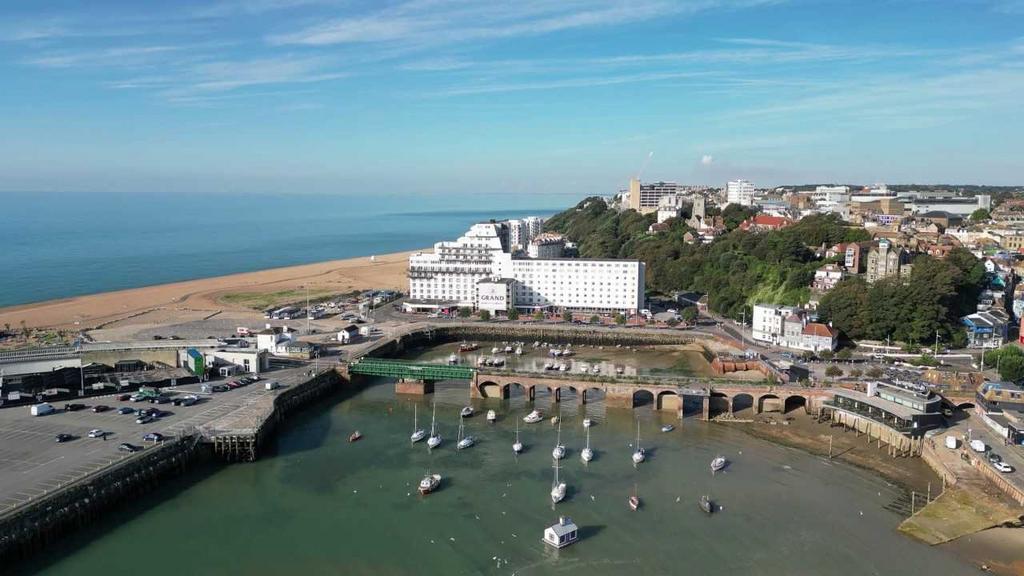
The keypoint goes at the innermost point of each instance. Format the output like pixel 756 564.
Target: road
pixel 1012 455
pixel 32 463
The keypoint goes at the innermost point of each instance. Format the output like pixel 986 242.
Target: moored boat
pixel 453 359
pixel 417 432
pixel 558 452
pixel 468 347
pixel 668 428
pixel 558 489
pixel 706 504
pixel 517 446
pixel 492 416
pixel 464 441
pixel 435 439
pixel 533 417
pixel 639 454
pixel 429 483
pixel 466 411
pixel 634 500
pixel 587 423
pixel 355 436
pixel 718 463
pixel 587 454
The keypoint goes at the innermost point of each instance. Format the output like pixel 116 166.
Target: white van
pixel 42 409
pixel 952 443
pixel 272 385
pixel 978 446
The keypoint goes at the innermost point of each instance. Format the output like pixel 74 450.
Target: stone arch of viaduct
pixel 722 398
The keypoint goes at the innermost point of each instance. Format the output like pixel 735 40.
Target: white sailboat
pixel 558 452
pixel 587 454
pixel 435 439
pixel 557 488
pixel 638 455
pixel 518 446
pixel 464 441
pixel 417 432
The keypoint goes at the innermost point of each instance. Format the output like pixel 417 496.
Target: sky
pixel 520 97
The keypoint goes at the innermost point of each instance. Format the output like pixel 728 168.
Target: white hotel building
pixel 479 271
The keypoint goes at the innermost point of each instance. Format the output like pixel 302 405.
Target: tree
pixel 833 371
pixel 620 319
pixel 874 372
pixel 980 215
pixel 567 315
pixel 485 315
pixel 513 314
pixel 595 319
pixel 465 312
pixel 538 315
pixel 672 322
pixel 689 314
pixel 844 354
pixel 1009 360
pixel 856 372
pixel 826 355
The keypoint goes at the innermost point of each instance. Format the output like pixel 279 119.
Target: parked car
pixel 153 437
pixel 125 410
pixel 126 447
pixel 219 388
pixel 100 408
pixel 232 385
pixel 73 407
pixel 1002 467
pixel 993 457
pixel 137 397
pixel 124 397
pixel 144 419
pixel 64 438
pixel 160 400
pixel 96 433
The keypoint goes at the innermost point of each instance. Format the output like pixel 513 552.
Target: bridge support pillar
pixel 413 387
pixel 558 394
pixel 531 393
pixel 705 408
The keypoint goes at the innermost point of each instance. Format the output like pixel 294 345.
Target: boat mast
pixel 414 417
pixel 588 438
pixel 433 419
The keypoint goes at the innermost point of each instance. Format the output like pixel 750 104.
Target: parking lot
pixel 33 463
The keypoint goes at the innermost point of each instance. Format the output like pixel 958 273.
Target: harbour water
pixel 57 245
pixel 317 504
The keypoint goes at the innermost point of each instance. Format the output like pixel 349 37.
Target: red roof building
pixel 764 222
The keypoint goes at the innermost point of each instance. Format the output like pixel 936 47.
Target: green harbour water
pixel 317 504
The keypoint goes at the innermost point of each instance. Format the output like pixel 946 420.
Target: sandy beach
pixel 208 294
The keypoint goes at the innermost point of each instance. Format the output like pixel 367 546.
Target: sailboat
pixel 638 455
pixel 435 439
pixel 417 432
pixel 557 488
pixel 464 441
pixel 587 454
pixel 518 446
pixel 634 500
pixel 559 450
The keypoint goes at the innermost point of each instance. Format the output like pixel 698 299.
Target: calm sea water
pixel 65 244
pixel 316 504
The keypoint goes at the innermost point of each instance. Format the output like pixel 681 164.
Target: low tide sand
pixel 85 312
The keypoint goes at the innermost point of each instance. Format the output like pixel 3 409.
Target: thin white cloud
pixel 122 56
pixel 565 83
pixel 707 159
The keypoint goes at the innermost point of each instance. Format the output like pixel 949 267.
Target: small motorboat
pixel 555 420
pixel 466 411
pixel 453 359
pixel 467 347
pixel 549 365
pixel 533 417
pixel 495 350
pixel 668 428
pixel 429 483
pixel 634 500
pixel 596 370
pixel 706 504
pixel 619 370
pixel 498 361
pixel 519 350
pixel 563 367
pixel 587 422
pixel 718 463
pixel 492 416
pixel 508 349
pixel 353 437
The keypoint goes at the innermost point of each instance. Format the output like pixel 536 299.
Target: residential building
pixel 1001 406
pixel 522 231
pixel 832 199
pixel 547 245
pixel 911 410
pixel 764 223
pixel 645 198
pixel 789 327
pixel 886 260
pixel 670 206
pixel 826 277
pixel 988 329
pixel 739 192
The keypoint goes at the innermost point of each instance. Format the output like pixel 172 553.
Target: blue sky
pixel 541 96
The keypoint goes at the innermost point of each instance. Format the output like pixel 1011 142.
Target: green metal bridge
pixel 389 368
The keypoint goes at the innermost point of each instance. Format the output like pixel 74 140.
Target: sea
pixel 62 244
